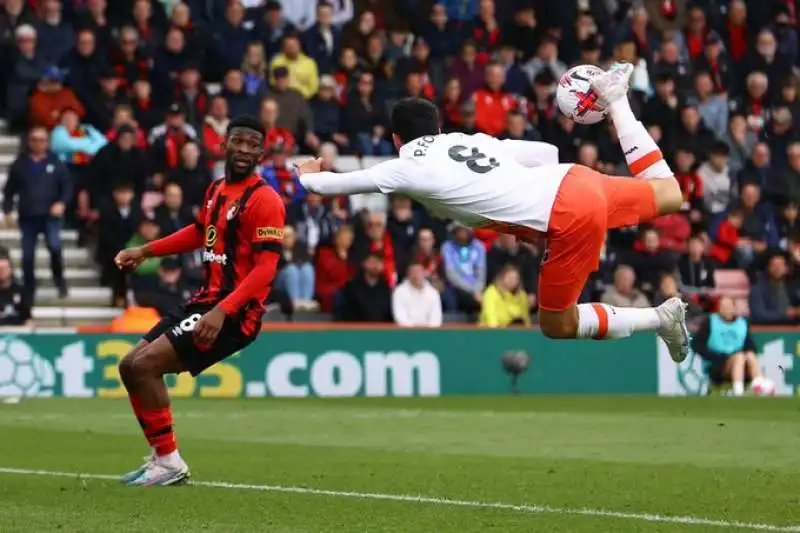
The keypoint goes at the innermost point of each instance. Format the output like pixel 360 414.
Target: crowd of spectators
pixel 133 97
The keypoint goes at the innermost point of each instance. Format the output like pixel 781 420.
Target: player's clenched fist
pixel 130 258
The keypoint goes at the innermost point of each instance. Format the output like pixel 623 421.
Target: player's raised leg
pixel 142 372
pixel 578 226
pixel 642 154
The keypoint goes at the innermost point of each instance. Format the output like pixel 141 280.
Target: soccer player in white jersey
pixel 520 188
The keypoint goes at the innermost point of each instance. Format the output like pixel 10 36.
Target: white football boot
pixel 134 474
pixel 614 84
pixel 673 330
pixel 164 472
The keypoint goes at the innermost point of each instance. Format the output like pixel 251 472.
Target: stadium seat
pixel 732 282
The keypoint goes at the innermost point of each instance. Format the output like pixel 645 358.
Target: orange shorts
pixel 587 205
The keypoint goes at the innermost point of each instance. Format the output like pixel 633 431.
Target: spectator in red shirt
pixel 348 74
pixel 123 114
pixel 51 98
pixel 485 30
pixel 334 268
pixel 736 31
pixel 213 134
pixel 275 135
pixel 723 250
pixel 130 62
pixel 716 62
pixel 375 239
pixel 491 103
pixel 674 230
pixel 691 185
pixel 696 30
pixel 450 105
pixel 168 139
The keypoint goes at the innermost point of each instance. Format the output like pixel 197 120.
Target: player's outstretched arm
pixel 377 178
pixel 532 153
pixel 187 239
pixel 182 241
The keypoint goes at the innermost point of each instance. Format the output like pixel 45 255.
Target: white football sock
pixel 601 321
pixel 642 154
pixel 738 388
pixel 172 459
pixel 622 115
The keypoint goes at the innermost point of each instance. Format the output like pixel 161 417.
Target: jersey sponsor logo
pixel 211 257
pixel 233 210
pixel 269 234
pixel 211 236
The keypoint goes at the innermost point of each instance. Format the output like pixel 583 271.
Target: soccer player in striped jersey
pixel 240 229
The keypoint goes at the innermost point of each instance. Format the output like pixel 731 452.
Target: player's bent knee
pixel 126 367
pixel 138 364
pixel 126 364
pixel 669 197
pixel 558 329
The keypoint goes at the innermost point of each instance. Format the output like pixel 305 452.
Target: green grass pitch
pixel 527 464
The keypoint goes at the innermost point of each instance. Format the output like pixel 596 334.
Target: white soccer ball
pixel 22 371
pixel 763 387
pixel 575 96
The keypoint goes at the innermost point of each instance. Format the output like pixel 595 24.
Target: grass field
pixel 414 465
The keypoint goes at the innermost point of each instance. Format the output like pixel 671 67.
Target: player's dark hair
pixel 248 122
pixel 413 118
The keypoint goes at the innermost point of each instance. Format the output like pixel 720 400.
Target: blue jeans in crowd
pixel 31 228
pixel 297 281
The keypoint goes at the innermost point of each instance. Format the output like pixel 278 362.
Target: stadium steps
pixel 54 317
pixel 74 258
pixel 87 303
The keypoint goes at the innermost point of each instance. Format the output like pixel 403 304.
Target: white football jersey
pixel 475 179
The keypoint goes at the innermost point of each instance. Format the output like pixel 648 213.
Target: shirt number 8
pixel 187 324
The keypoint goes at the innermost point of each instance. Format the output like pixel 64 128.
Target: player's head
pixel 413 118
pixel 244 146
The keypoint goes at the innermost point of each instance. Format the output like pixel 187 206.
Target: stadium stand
pixel 137 93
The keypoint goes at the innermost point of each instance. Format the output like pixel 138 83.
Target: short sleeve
pixel 264 221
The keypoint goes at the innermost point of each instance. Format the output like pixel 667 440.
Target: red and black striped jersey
pixel 238 220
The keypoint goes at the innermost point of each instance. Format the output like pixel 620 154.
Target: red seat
pixel 732 282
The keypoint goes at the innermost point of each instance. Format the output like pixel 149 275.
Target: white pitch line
pixel 532 509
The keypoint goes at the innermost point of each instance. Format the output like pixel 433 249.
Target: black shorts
pixel 178 324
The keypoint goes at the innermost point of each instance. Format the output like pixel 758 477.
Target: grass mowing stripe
pixel 534 509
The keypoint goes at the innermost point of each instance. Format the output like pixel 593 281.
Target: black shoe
pixel 63 292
